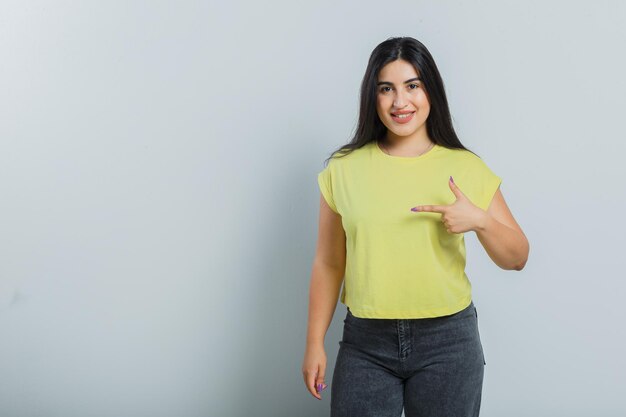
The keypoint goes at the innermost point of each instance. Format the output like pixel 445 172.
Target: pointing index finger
pixel 430 208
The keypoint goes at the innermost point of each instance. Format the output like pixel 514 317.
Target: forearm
pixel 507 247
pixel 323 294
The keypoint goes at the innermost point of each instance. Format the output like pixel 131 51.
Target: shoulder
pixel 463 157
pixel 342 159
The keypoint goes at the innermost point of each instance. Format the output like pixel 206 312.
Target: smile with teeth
pixel 403 118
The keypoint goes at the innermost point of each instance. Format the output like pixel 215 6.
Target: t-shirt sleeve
pixel 489 184
pixel 324 180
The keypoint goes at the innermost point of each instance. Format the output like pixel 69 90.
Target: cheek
pixel 424 105
pixel 423 100
pixel 380 107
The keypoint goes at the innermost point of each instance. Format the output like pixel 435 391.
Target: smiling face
pixel 401 103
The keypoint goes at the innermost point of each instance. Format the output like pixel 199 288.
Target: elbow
pixel 514 266
pixel 519 267
pixel 522 263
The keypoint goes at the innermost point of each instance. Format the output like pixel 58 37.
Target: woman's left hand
pixel 460 216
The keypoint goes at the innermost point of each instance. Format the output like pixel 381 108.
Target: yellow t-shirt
pixel 399 263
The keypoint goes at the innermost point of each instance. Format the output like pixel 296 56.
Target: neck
pixel 406 146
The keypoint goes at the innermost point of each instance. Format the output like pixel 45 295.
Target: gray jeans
pixel 431 367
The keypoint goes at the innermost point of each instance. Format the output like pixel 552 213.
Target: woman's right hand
pixel 314 369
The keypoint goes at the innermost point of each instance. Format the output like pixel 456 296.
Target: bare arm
pixel 326 278
pixel 327 274
pixel 501 236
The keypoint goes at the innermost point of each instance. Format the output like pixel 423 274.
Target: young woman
pixel 394 205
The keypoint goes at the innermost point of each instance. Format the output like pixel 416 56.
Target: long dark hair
pixel 371 128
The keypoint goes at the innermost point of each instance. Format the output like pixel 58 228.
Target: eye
pixel 415 85
pixel 382 89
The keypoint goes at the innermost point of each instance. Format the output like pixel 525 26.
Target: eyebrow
pixel 406 82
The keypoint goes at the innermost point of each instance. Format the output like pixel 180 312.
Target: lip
pixel 402 112
pixel 404 119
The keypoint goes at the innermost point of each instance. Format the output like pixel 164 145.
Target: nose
pixel 399 100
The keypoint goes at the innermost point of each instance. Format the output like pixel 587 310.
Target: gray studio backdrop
pixel 159 202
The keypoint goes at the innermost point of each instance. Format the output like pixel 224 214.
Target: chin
pixel 407 131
